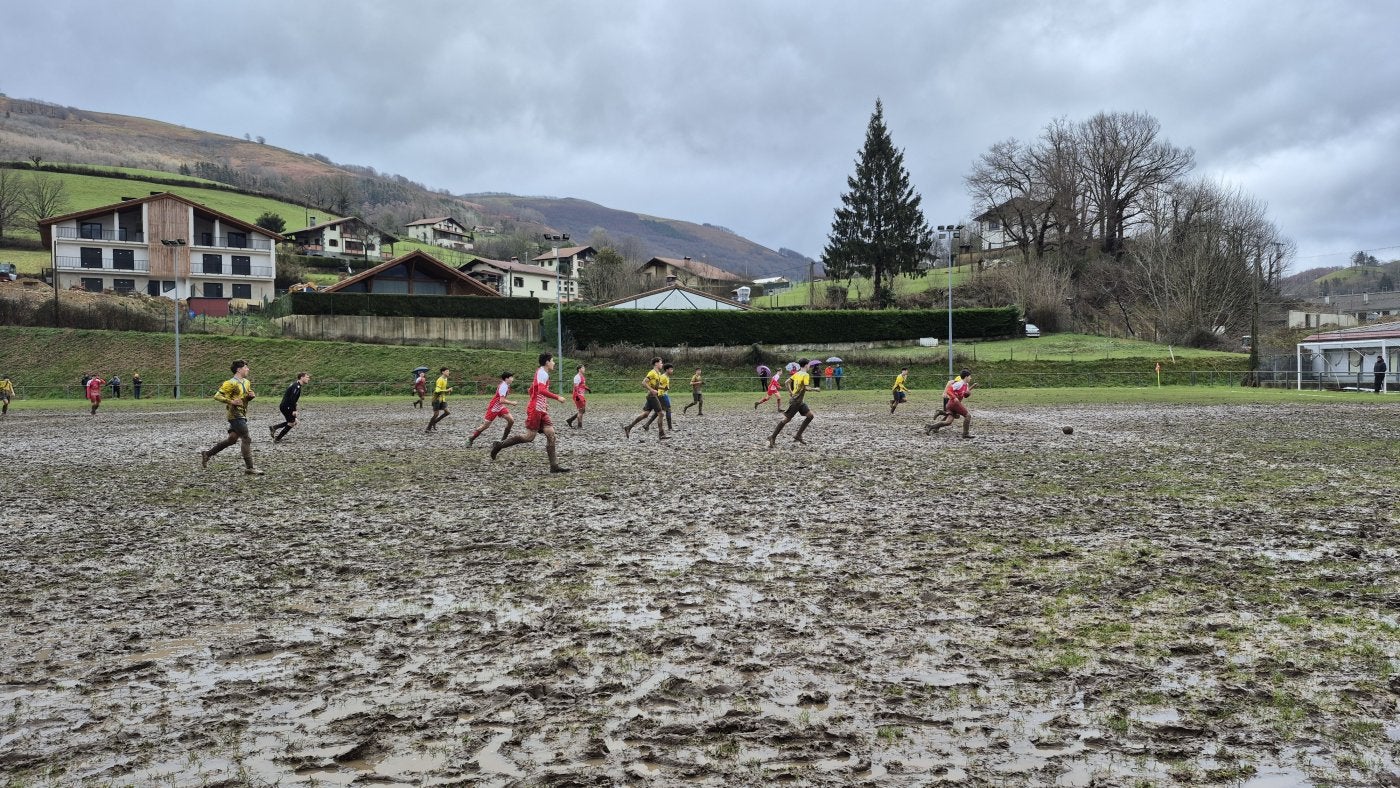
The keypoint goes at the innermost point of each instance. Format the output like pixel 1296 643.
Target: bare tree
pixel 1121 159
pixel 610 276
pixel 11 198
pixel 44 196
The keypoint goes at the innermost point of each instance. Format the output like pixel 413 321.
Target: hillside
pixel 32 129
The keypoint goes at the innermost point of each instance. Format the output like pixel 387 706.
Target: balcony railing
pixel 224 271
pixel 79 264
pixel 232 242
pixel 129 236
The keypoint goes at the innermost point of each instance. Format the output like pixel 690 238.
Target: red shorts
pixel 537 420
pixel 956 407
pixel 95 399
pixel 580 402
pixel 492 414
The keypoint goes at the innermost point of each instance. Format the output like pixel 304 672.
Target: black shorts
pixel 653 403
pixel 696 396
pixel 900 395
pixel 288 413
pixel 439 405
pixel 239 426
pixel 795 409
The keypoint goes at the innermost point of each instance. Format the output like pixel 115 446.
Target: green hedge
pixel 396 305
pixel 590 327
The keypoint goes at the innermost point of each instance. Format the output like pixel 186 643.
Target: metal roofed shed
pixel 1344 358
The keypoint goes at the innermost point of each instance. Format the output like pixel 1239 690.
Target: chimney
pixel 311 221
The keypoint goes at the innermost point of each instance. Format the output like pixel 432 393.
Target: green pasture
pixel 1048 347
pixel 862 288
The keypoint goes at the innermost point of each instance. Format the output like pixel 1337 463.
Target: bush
pixel 592 327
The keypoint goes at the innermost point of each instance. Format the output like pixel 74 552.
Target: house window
pixel 124 285
pixel 91 230
pixel 354 246
pixel 238 240
pixel 544 286
pixel 242 290
pixel 518 281
pixel 206 239
pixel 124 259
pixel 153 287
pixel 213 289
pixel 90 258
pixel 92 285
pixel 213 264
pixel 242 266
pixel 332 242
pixel 121 233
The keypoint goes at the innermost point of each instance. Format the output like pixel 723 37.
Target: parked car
pixel 1032 330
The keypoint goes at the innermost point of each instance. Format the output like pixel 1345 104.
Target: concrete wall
pixel 411 330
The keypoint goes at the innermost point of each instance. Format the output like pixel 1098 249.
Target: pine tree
pixel 879 232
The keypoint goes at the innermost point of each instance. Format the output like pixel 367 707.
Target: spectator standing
pixel 830 374
pixel 838 373
pixel 136 384
pixel 1379 370
pixel 116 383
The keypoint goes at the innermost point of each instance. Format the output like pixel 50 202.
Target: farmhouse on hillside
pixel 443 231
pixel 660 271
pixel 675 296
pixel 346 239
pixel 538 280
pixel 1347 357
pixel 163 244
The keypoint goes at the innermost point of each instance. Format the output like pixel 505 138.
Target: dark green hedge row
pixel 590 327
pixel 387 305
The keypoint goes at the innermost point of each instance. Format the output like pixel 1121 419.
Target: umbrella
pixel 814 363
pixel 834 360
pixel 763 369
pixel 792 366
pixel 416 370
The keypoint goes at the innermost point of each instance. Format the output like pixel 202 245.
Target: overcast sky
pixel 750 114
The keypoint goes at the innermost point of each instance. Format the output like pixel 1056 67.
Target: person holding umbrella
pixel 814 371
pixel 420 385
pixel 763 374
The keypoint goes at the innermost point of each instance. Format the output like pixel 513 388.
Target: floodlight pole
pixel 950 232
pixel 177 244
pixel 558 308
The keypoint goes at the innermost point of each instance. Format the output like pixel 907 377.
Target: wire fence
pixel 165 389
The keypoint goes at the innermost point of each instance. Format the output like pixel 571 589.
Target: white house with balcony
pixel 346 239
pixel 166 245
pixel 570 260
pixel 443 231
pixel 517 279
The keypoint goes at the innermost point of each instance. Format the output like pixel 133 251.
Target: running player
pixel 957 390
pixel 900 391
pixel 235 393
pixel 665 396
pixel 537 416
pixel 652 384
pixel 775 389
pixel 288 406
pixel 581 390
pixel 799 383
pixel 7 392
pixel 440 392
pixel 94 392
pixel 498 407
pixel 420 388
pixel 696 396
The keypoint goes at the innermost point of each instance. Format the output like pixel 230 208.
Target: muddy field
pixel 1169 596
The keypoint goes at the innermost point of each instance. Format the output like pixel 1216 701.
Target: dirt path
pixel 1169 596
